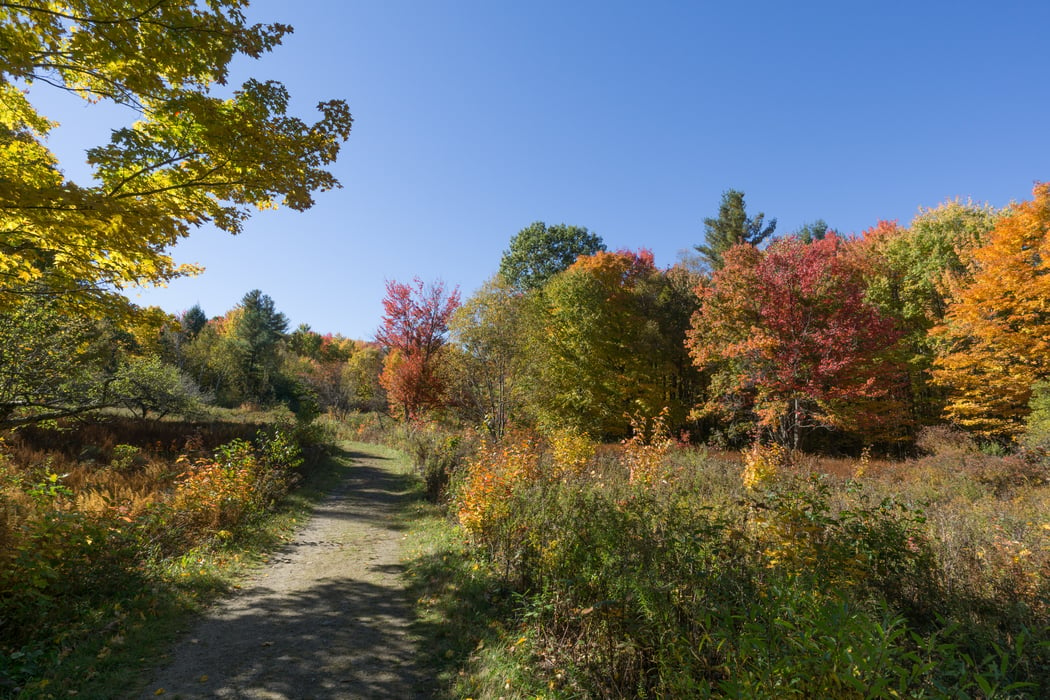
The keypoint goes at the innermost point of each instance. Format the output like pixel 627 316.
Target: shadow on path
pixel 327 619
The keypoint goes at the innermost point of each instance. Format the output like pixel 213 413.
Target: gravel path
pixel 327 619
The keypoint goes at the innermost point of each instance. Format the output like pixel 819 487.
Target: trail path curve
pixel 327 619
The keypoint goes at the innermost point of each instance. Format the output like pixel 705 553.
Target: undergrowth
pixel 658 570
pixel 114 530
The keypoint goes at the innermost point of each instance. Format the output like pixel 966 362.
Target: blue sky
pixel 474 119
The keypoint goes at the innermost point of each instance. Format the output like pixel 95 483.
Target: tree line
pixel 812 340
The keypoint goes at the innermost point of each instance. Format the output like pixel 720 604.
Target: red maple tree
pixel 787 331
pixel 414 330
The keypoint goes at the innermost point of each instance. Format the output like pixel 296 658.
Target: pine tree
pixel 732 227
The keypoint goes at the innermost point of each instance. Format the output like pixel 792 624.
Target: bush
pixel 75 537
pixel 690 585
pixel 437 455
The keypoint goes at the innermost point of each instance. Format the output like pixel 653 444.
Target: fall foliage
pixel 414 329
pixel 191 158
pixel 996 335
pixel 787 335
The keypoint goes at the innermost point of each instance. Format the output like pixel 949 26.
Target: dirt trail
pixel 327 619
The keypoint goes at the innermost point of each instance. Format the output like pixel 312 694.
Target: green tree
pixel 53 364
pixel 538 252
pixel 1037 424
pixel 191 158
pixel 148 384
pixel 178 333
pixel 255 334
pixel 487 332
pixel 606 344
pixel 812 231
pixel 192 321
pixel 305 341
pixel 732 227
pixel 910 275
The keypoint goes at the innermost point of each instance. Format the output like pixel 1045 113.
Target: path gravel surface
pixel 327 619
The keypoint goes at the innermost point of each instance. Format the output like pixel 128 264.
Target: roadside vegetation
pixel 115 530
pixel 655 569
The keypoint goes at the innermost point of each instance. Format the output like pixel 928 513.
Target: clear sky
pixel 474 118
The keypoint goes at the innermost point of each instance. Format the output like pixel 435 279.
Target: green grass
pixel 462 609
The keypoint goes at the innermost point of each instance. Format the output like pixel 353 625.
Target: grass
pixel 462 606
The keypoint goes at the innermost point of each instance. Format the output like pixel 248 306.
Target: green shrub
pixel 692 587
pixel 437 455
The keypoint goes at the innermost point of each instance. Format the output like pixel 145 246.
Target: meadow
pixel 566 569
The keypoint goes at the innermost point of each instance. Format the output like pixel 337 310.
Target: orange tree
pixel 995 341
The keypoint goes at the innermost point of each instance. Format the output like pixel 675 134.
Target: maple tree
pixel 415 330
pixel 996 333
pixel 909 273
pixel 190 158
pixel 606 344
pixel 787 334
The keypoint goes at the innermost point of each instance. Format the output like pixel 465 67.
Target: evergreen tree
pixel 731 227
pixel 258 329
pixel 814 231
pixel 192 321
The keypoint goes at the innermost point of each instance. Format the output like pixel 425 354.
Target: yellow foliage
pixel 997 331
pixel 573 451
pixel 492 479
pixel 645 451
pixel 763 464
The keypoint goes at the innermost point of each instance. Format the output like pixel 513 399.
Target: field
pixel 661 570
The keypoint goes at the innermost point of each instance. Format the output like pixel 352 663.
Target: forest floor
pixel 328 617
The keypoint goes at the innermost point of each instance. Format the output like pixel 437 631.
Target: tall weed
pixel 694 575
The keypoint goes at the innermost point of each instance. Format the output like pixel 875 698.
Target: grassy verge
pixel 463 608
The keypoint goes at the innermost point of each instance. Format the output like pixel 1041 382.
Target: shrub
pixel 691 585
pixel 437 455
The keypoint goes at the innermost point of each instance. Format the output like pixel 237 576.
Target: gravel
pixel 328 618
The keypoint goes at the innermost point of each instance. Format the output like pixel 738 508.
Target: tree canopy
pixel 190 156
pixel 538 252
pixel 996 332
pixel 415 329
pixel 787 334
